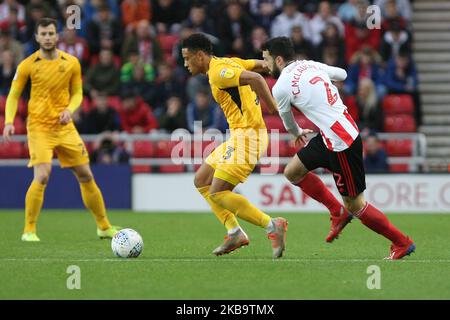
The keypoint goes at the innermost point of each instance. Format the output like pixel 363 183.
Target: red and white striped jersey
pixel 307 86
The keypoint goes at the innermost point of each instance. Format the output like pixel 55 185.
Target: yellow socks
pixel 33 205
pixel 93 200
pixel 226 217
pixel 241 207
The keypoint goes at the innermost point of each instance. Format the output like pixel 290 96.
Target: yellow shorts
pixel 67 143
pixel 235 159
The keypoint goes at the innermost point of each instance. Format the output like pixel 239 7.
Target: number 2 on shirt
pixel 332 98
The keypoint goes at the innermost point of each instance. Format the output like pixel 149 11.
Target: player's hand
pixel 8 131
pixel 302 139
pixel 65 117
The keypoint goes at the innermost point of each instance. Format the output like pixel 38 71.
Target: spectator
pixel 332 41
pixel 283 23
pixel 135 115
pixel 36 12
pixel 139 83
pixel 198 20
pixel 166 84
pixel 403 7
pixel 144 42
pixel 174 116
pixel 303 48
pixel 348 11
pixel 102 118
pixel 321 19
pixel 74 45
pixel 365 64
pixel 127 70
pixel 375 158
pixel 203 114
pixel 134 11
pixel 104 31
pixel 358 36
pixel 235 29
pixel 264 11
pixel 167 15
pixel 8 43
pixel 370 113
pixel 392 16
pixel 7 6
pixel 394 39
pixel 258 38
pixel 16 27
pixel 7 71
pixel 401 77
pixel 107 151
pixel 104 76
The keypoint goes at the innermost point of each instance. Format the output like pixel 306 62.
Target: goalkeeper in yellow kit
pixel 236 86
pixel 56 92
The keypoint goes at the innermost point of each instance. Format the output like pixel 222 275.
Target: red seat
pixel 141 168
pixel 86 105
pixel 143 149
pixel 274 122
pixel 164 148
pixel 398 104
pixel 25 151
pixel 399 167
pixel 399 123
pixel 11 150
pixel 399 148
pixel 171 168
pixel 19 126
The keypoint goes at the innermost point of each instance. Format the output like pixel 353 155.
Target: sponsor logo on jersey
pixel 227 73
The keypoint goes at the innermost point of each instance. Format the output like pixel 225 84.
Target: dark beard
pixel 276 72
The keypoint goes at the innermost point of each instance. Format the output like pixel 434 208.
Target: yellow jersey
pixel 239 103
pixel 52 83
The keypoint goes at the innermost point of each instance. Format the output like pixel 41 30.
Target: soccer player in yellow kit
pixel 56 92
pixel 236 87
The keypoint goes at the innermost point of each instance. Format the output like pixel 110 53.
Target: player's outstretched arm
pixel 259 85
pixel 335 73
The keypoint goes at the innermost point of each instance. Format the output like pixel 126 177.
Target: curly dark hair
pixel 198 42
pixel 280 46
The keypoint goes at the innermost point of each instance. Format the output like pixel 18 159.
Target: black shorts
pixel 347 166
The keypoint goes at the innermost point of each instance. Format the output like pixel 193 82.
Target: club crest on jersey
pixel 227 73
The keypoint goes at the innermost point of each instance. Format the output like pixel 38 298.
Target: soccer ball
pixel 127 243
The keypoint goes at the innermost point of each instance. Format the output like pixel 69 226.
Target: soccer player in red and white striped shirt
pixel 306 86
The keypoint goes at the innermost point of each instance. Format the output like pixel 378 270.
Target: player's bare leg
pixel 375 220
pixel 235 237
pixel 312 185
pixel 34 200
pixel 93 200
pixel 221 192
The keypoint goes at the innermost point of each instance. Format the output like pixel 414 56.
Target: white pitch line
pixel 217 260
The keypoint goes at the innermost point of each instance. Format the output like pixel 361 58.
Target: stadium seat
pixel 86 105
pixel 398 104
pixel 11 150
pixel 399 167
pixel 19 126
pixel 399 123
pixel 143 149
pixel 171 168
pixel 2 122
pixel 164 148
pixel 25 151
pixel 399 148
pixel 141 168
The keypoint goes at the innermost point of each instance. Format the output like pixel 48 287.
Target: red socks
pixel 316 189
pixel 375 220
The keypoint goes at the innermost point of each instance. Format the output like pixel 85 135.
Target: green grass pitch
pixel 177 262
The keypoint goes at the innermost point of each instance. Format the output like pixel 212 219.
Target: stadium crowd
pixel 134 78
